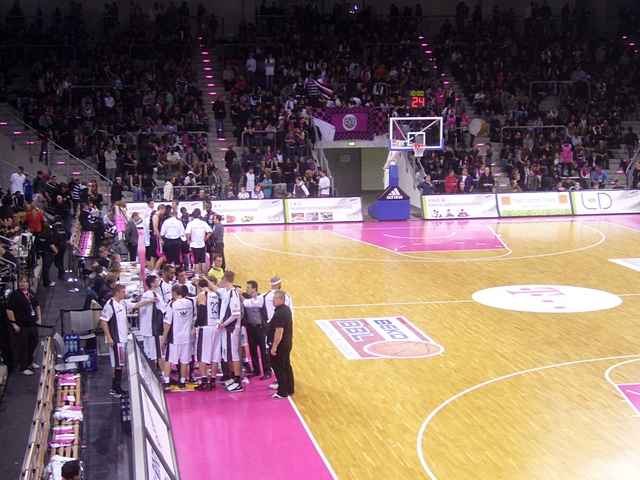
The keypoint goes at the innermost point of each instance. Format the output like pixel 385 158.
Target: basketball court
pixel 461 349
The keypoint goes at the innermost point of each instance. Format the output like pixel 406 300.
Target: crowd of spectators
pixel 122 106
pixel 347 58
pixel 128 109
pixel 590 90
pixel 352 57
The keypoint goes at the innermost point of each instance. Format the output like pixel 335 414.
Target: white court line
pixel 383 304
pixel 423 427
pixel 402 254
pixel 415 259
pixel 395 252
pixel 607 377
pixel 313 440
pixel 416 302
pixel 401 237
pixel 499 237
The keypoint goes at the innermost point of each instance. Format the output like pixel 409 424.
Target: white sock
pixel 182 380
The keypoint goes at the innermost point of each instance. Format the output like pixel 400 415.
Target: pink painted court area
pixel 405 236
pixel 631 392
pixel 415 237
pixel 241 436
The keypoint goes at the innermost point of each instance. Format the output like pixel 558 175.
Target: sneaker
pixel 204 387
pixel 166 387
pixel 277 397
pixel 274 386
pixel 229 382
pixel 34 365
pixel 115 393
pixel 27 371
pixel 182 385
pixel 51 284
pixel 235 387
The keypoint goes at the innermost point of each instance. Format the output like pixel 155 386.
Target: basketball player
pixel 181 279
pixel 197 232
pixel 230 325
pixel 166 283
pixel 208 336
pixel 179 321
pixel 115 325
pixel 151 318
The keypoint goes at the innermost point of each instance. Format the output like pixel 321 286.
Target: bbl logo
pixel 381 337
pixel 349 122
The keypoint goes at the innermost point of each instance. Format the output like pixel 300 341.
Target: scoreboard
pixel 417 99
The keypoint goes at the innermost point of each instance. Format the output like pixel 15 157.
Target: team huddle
pixel 205 324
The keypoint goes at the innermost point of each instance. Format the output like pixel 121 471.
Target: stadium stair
pixel 211 89
pixel 24 144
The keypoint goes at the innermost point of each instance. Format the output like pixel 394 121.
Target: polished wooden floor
pixel 486 408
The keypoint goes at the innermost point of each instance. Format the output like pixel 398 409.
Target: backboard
pixel 405 131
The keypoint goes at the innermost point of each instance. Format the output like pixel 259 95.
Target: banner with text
pixel 323 210
pixel 533 204
pixel 591 202
pixel 249 212
pixel 442 207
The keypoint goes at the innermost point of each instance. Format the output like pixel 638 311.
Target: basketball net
pixel 418 149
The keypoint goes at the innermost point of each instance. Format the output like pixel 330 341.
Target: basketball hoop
pixel 418 149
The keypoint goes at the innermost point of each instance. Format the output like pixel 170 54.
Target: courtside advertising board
pixel 443 207
pixel 323 210
pixel 249 212
pixel 595 202
pixel 534 204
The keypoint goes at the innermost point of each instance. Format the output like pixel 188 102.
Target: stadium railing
pixel 33 465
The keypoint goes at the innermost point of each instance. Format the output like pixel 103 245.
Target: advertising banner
pixel 323 210
pixel 442 207
pixel 382 337
pixel 249 212
pixel 534 203
pixel 592 202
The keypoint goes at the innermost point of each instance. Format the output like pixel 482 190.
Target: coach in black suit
pixel 280 338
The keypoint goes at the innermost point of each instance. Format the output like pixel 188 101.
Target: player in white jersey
pixel 230 325
pixel 181 279
pixel 179 321
pixel 197 232
pixel 115 325
pixel 151 319
pixel 166 283
pixel 208 345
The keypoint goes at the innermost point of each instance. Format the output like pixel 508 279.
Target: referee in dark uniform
pixel 280 339
pixel 218 240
